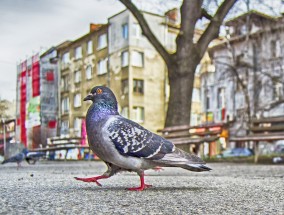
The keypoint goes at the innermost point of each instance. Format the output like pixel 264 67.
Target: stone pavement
pixel 48 187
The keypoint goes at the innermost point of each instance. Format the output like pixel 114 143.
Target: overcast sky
pixel 26 26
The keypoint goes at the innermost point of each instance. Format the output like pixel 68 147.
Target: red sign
pixel 23 98
pixel 35 77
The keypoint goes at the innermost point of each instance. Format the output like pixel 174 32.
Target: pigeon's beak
pixel 89 97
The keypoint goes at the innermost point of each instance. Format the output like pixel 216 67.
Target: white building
pixel 249 66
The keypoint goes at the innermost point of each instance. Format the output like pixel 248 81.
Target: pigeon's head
pixel 25 151
pixel 102 96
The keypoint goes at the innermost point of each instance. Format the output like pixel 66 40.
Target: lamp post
pixel 4 136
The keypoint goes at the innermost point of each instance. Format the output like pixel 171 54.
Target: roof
pixel 93 29
pixel 252 13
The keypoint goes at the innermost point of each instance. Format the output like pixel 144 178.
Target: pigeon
pixel 18 158
pixel 125 145
pixel 33 157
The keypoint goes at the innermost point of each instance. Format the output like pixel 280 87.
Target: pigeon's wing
pixel 131 139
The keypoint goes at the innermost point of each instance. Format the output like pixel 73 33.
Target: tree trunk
pixel 179 106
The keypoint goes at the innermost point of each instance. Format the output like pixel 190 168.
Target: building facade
pixel 246 79
pixel 138 73
pixel 83 64
pixel 116 55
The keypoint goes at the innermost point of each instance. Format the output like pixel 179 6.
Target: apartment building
pixel 246 81
pixel 138 73
pixel 83 64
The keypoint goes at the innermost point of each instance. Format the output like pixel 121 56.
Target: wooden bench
pixel 184 136
pixel 267 129
pixel 58 144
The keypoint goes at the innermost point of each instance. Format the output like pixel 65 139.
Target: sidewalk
pixel 49 188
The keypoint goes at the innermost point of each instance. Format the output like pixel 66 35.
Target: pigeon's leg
pixel 142 186
pixel 18 165
pixel 93 179
pixel 112 169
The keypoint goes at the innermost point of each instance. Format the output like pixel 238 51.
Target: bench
pixel 189 138
pixel 267 129
pixel 58 144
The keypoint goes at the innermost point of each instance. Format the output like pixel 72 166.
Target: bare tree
pixel 249 73
pixel 183 62
pixel 3 108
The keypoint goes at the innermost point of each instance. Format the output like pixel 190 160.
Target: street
pixel 49 187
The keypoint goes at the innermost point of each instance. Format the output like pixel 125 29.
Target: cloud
pixel 27 26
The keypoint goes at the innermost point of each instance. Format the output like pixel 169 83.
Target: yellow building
pixel 83 64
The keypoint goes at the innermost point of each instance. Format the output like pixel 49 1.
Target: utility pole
pixel 4 138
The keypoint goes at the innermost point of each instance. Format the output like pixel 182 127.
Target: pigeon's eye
pixel 99 91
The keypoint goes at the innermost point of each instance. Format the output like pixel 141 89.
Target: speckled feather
pixel 131 139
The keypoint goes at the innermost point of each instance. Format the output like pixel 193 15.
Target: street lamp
pixel 4 136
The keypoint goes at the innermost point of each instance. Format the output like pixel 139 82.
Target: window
pixel 277 91
pixel 275 48
pixel 243 30
pixel 77 100
pixel 102 66
pixel 77 126
pixel 90 47
pixel 196 95
pixel 49 75
pixel 102 41
pixel 124 59
pixel 138 114
pixel 77 77
pixel 207 100
pixel 278 48
pixel 78 52
pixel 125 112
pixel 65 105
pixel 64 127
pixel 194 119
pixel 221 98
pixel 137 59
pixel 136 30
pixel 124 86
pixel 138 86
pixel 65 83
pixel 171 41
pixel 66 57
pixel 125 31
pixel 89 72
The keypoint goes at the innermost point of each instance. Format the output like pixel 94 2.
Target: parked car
pixel 236 152
pixel 278 160
pixel 279 149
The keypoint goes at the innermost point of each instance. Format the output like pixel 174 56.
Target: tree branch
pixel 147 32
pixel 206 14
pixel 212 31
pixel 270 106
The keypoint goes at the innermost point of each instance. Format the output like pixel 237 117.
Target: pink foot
pixel 158 168
pixel 141 188
pixel 92 179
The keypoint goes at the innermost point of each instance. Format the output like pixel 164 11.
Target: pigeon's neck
pixel 102 110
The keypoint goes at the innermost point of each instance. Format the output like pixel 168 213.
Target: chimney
pixel 94 27
pixel 173 15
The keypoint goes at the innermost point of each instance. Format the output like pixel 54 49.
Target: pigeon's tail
pixel 196 167
pixel 5 161
pixel 180 158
